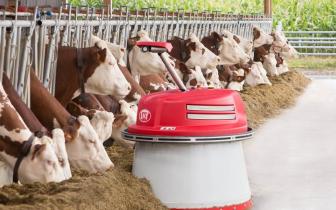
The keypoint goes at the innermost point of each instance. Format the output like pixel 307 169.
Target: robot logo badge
pixel 144 115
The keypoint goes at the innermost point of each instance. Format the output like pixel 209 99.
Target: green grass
pixel 313 63
pixel 295 14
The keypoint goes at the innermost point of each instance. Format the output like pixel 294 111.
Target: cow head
pixel 260 37
pixel 283 68
pixel 127 115
pixel 107 78
pixel 85 149
pixel 237 80
pixel 117 51
pixel 231 53
pixel 42 164
pixel 245 44
pixel 199 54
pixel 269 63
pixel 143 63
pixel 191 77
pixel 60 149
pixel 281 45
pixel 212 78
pixel 257 75
pixel 102 122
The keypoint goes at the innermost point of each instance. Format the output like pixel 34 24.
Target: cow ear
pixel 119 120
pixel 256 33
pixel 216 36
pixel 236 38
pixel 37 150
pixel 192 46
pixel 101 55
pixel 273 35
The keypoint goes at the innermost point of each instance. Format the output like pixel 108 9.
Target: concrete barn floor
pixel 291 161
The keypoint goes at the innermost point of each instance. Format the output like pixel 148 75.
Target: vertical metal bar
pixel 25 65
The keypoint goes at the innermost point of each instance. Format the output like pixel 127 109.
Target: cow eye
pixel 203 51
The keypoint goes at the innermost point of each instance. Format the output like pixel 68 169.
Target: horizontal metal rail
pixel 33 42
pixel 316 43
pixel 310 32
pixel 312 42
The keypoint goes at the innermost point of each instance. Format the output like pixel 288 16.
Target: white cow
pixel 231 53
pixel 270 63
pixel 257 75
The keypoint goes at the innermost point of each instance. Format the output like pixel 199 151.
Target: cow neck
pixel 26 114
pixel 80 70
pixel 67 76
pixel 9 117
pixel 45 106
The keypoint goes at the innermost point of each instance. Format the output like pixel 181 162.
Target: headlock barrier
pixel 29 37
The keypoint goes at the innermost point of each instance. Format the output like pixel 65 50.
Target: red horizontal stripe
pixel 243 206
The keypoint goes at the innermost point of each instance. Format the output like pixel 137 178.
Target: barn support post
pixel 268 8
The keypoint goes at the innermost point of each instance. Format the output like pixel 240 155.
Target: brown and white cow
pixel 99 70
pixel 118 52
pixel 125 114
pixel 212 78
pixel 227 48
pixel 85 149
pixel 193 53
pixel 191 77
pixel 281 45
pixel 36 127
pixel 40 163
pixel 89 106
pixel 260 37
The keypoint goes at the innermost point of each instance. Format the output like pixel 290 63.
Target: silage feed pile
pixel 263 102
pixel 117 189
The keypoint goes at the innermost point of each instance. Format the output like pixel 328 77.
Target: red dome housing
pixel 197 112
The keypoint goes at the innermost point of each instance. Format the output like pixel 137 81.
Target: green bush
pixel 294 14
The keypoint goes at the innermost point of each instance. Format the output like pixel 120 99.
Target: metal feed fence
pixel 313 43
pixel 30 39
